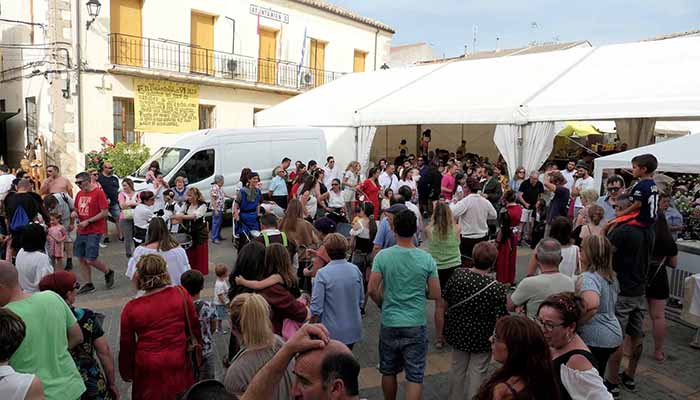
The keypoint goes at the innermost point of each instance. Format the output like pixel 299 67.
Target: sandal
pixel 659 356
pixel 439 343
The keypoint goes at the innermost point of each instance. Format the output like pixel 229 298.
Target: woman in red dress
pixel 508 237
pixel 152 343
pixel 370 188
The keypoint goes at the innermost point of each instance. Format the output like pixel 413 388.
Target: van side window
pixel 199 167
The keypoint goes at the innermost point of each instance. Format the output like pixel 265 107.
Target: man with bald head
pixel 51 329
pixel 324 369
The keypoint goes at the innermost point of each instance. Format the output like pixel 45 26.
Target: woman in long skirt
pixel 194 221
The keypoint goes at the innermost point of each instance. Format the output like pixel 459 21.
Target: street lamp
pixel 93 8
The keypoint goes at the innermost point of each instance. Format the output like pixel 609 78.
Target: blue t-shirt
pixel 386 238
pixel 603 330
pixel 405 273
pixel 646 192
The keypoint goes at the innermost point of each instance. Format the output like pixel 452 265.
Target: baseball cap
pixel 583 165
pixel 60 282
pixel 396 208
pixel 325 225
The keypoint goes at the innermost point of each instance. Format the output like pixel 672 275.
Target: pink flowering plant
pixel 125 157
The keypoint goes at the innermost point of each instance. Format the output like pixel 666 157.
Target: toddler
pixel 193 282
pixel 56 236
pixel 220 290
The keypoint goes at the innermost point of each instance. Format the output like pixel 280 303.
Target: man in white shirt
pixel 405 193
pixel 584 181
pixel 570 175
pixel 387 179
pixel 6 179
pixel 473 212
pixel 330 172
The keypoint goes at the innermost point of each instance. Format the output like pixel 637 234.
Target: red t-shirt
pixel 89 204
pixel 448 181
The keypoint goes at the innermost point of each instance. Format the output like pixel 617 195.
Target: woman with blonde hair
pixel 351 178
pixel 443 245
pixel 594 225
pixel 300 231
pixel 250 322
pixel 588 198
pixel 154 331
pixel 193 220
pixel 598 326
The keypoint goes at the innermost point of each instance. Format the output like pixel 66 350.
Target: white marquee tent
pixel 675 155
pixel 634 84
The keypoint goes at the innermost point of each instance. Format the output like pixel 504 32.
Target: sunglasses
pixel 93 174
pixel 614 189
pixel 109 167
pixel 78 183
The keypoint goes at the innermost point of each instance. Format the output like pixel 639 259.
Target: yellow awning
pixel 578 129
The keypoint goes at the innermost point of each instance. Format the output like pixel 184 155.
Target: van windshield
pixel 167 157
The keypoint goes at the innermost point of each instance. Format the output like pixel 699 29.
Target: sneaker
pixel 109 279
pixel 103 245
pixel 87 288
pixel 627 382
pixel 614 390
pixel 106 241
pixel 216 241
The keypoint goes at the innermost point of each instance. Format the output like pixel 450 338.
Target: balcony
pixel 178 57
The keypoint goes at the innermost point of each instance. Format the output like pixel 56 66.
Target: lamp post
pixel 93 8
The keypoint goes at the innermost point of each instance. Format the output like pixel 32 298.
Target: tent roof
pixel 675 155
pixel 646 79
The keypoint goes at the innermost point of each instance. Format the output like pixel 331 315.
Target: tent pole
pixel 581 146
pixel 386 144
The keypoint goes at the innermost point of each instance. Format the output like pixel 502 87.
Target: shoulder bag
pixel 193 347
pixel 452 307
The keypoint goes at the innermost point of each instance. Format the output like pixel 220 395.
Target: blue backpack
pixel 19 219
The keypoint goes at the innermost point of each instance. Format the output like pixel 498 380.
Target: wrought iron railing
pixel 168 55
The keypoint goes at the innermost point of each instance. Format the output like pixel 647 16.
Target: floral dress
pixel 84 355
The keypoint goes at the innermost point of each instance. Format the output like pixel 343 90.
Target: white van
pixel 202 154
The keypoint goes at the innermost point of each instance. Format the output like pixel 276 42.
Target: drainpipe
pixel 233 35
pixel 376 36
pixel 79 81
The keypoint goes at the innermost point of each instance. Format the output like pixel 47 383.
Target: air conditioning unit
pixel 232 67
pixel 307 79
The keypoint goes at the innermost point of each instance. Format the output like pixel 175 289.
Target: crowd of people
pixel 313 246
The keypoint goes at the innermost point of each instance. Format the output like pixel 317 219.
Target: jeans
pixel 127 228
pixel 216 220
pixel 208 368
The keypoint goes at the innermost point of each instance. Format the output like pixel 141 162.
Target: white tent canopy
pixel 633 80
pixel 676 155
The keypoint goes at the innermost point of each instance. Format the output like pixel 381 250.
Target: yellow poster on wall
pixel 165 106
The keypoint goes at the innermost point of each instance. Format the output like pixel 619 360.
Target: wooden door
pixel 202 40
pixel 267 63
pixel 317 61
pixel 125 26
pixel 359 61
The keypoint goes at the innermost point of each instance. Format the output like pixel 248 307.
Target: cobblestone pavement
pixel 676 378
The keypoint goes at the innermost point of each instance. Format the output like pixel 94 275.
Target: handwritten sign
pixel 164 106
pixel 269 13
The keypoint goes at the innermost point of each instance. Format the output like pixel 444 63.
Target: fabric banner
pixel 165 106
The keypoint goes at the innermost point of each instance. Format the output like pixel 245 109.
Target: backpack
pixel 19 219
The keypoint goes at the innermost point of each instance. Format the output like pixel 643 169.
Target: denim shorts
pixel 221 313
pixel 87 246
pixel 115 211
pixel 403 349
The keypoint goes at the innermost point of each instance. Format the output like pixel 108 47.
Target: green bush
pixel 125 157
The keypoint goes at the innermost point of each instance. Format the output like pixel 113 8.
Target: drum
pixel 184 239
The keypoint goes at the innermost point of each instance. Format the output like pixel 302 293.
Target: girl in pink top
pixel 56 236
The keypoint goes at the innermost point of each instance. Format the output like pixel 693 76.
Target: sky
pixel 448 25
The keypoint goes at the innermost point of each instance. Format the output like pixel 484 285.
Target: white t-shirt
pixel 386 181
pixel 533 290
pixel 31 267
pixel 220 287
pixel 570 178
pixel 5 184
pixel 176 260
pixel 142 215
pixel 14 385
pixel 583 184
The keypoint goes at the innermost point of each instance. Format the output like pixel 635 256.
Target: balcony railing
pixel 167 55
